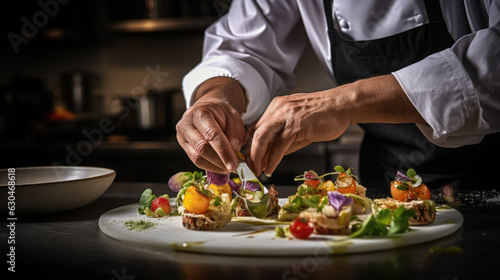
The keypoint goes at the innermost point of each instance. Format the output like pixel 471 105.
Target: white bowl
pixel 50 189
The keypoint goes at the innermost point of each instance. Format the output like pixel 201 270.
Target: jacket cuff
pixel 441 90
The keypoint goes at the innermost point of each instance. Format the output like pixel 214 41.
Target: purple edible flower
pixel 233 185
pixel 338 200
pixel 402 177
pixel 252 186
pixel 176 181
pixel 217 179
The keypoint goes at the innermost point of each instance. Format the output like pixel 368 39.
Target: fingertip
pixel 268 172
pixel 231 166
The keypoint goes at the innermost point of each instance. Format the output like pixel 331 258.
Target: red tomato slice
pixel 312 183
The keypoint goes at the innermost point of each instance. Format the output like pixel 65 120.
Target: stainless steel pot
pixel 77 91
pixel 151 111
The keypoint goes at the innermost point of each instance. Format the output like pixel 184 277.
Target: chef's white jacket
pixel 457 90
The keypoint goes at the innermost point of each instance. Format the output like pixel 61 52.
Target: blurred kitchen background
pixel 98 83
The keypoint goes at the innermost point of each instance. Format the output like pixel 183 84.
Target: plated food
pixel 203 201
pixel 332 215
pixel 425 210
pixel 336 206
pixel 317 187
pixel 409 192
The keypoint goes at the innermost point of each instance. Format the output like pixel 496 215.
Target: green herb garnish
pixel 386 222
pixel 139 225
pixel 145 201
pixel 301 203
pixel 402 187
pixel 411 178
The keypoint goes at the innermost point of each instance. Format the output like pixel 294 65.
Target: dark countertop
pixel 70 245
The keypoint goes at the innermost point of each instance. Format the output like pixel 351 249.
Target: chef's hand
pixel 212 128
pixel 294 121
pixel 290 123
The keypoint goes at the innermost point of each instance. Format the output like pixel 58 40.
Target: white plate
pixel 254 237
pixel 50 189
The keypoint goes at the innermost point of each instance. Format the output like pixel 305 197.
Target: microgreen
pixel 188 179
pixel 304 189
pixel 411 178
pixel 145 200
pixel 403 187
pixel 311 175
pixel 301 203
pixel 385 222
pixel 348 172
pixel 217 201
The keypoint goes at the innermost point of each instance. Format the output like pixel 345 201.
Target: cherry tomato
pixel 161 202
pixel 422 192
pixel 401 191
pixel 405 192
pixel 301 228
pixel 195 202
pixel 345 184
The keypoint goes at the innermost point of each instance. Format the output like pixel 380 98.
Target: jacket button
pixel 418 18
pixel 343 23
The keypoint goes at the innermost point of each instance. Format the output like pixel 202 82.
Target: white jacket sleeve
pixel 258 43
pixel 457 91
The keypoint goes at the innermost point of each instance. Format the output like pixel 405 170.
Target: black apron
pixel 387 148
